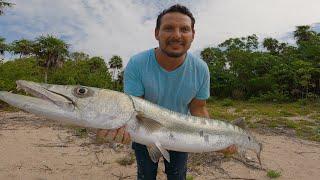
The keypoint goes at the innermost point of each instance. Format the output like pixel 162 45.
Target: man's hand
pixel 116 135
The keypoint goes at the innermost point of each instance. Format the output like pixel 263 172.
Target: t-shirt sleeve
pixel 204 90
pixel 132 79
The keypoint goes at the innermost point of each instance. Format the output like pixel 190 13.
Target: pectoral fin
pixel 156 151
pixel 149 124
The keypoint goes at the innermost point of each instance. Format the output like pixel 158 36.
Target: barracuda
pixel 147 123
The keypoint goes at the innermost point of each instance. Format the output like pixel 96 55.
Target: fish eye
pixel 81 91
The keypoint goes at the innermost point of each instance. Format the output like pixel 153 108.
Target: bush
pixel 93 72
pixel 273 174
pixel 271 97
pixel 227 102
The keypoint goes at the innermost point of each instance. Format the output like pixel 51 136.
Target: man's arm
pixel 198 108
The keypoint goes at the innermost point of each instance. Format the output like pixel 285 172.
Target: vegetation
pixel 273 174
pixel 281 72
pixel 127 160
pixel 286 118
pixel 189 177
pixel 3 5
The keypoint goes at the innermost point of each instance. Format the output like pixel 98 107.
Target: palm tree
pixel 23 47
pixel 79 56
pixel 4 4
pixel 51 52
pixel 2 45
pixel 115 64
pixel 303 33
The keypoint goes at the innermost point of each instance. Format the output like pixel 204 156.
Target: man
pixel 170 77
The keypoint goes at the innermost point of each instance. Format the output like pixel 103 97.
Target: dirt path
pixel 34 148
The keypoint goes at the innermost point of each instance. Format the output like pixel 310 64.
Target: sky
pixel 125 27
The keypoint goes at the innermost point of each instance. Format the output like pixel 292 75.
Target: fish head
pixel 74 104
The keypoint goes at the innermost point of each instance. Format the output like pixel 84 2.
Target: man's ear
pixel 156 33
pixel 193 33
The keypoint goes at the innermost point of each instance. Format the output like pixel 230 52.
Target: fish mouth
pixel 43 92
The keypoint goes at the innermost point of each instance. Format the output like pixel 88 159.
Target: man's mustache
pixel 175 42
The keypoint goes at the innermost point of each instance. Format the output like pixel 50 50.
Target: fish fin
pixel 154 153
pixel 240 122
pixel 163 151
pixel 150 124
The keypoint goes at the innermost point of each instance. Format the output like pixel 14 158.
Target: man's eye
pixel 185 30
pixel 168 29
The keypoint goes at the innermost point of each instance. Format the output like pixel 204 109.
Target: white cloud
pixel 107 27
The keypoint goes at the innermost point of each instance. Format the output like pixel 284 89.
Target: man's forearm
pixel 200 112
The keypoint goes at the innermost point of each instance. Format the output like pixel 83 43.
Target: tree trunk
pixel 46 76
pixel 46 73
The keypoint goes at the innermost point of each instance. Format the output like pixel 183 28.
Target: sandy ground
pixel 34 148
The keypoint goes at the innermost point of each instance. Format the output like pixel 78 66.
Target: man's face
pixel 175 34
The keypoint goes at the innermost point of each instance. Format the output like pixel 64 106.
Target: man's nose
pixel 176 34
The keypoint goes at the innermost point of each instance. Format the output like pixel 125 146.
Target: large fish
pixel 147 123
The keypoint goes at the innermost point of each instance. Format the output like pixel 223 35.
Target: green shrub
pixel 273 174
pixel 227 102
pixel 271 97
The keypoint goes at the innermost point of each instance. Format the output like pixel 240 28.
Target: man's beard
pixel 173 54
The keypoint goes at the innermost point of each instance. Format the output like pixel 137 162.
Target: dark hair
pixel 176 8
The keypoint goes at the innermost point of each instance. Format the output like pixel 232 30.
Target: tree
pixel 3 5
pixel 115 65
pixel 248 43
pixel 23 47
pixel 3 45
pixel 115 62
pixel 50 52
pixel 79 56
pixel 210 54
pixel 273 46
pixel 303 33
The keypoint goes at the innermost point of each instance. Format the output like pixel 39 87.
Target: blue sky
pixel 125 27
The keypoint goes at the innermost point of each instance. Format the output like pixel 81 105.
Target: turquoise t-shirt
pixel 143 76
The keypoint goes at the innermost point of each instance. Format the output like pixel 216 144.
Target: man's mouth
pixel 176 43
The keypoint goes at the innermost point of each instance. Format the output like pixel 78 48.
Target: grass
pixel 271 115
pixel 273 174
pixel 80 132
pixel 189 177
pixel 127 160
pixel 6 107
